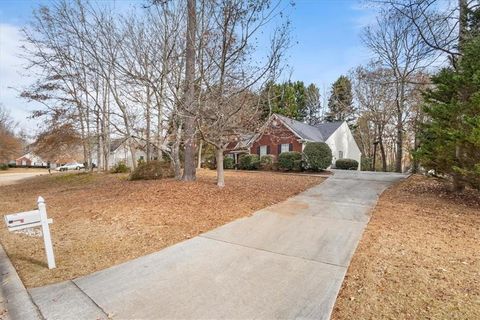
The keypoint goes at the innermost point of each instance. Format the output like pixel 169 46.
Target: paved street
pixel 12 178
pixel 285 261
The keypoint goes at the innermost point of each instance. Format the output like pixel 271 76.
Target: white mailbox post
pixel 31 219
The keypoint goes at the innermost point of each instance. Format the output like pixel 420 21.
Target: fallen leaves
pixel 419 256
pixel 101 220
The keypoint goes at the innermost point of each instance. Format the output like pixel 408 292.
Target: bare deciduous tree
pixel 398 47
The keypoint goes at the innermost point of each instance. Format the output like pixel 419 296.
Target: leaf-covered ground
pixel 419 257
pixel 101 220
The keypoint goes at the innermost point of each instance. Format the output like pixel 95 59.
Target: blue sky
pixel 325 34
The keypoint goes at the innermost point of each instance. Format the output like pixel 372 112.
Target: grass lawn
pixel 419 257
pixel 101 220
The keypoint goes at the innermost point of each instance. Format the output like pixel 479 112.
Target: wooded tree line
pixel 176 75
pixel 407 112
pixel 10 142
pixel 403 114
pixel 170 75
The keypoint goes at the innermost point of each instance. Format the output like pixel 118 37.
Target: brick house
pixel 282 134
pixel 30 159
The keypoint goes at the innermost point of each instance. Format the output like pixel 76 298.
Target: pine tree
pixel 450 141
pixel 287 99
pixel 340 103
pixel 313 107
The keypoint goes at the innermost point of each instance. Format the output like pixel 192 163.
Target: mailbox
pixel 23 220
pixel 31 219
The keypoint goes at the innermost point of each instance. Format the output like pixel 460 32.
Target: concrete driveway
pixel 285 261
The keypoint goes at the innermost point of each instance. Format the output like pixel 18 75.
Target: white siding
pixel 123 154
pixel 342 140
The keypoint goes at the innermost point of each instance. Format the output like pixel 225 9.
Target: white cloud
pixel 363 15
pixel 12 76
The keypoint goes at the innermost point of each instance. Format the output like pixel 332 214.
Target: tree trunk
pixel 458 185
pixel 176 154
pixel 384 156
pixel 148 120
pixel 400 108
pixel 462 25
pixel 133 153
pixel 189 170
pixel 199 159
pixel 220 172
pixel 99 140
pixel 106 128
pixel 415 164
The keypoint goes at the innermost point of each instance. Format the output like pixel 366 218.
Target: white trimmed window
pixel 285 148
pixel 340 154
pixel 263 151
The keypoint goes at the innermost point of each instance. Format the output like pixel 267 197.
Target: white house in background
pixel 282 134
pixel 120 152
pixel 340 139
pixel 30 159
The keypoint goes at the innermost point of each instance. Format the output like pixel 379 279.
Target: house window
pixel 263 151
pixel 340 154
pixel 285 147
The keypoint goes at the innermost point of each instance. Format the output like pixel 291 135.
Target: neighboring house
pixel 120 152
pixel 30 159
pixel 282 134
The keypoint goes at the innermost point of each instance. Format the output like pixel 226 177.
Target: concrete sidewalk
pixel 286 261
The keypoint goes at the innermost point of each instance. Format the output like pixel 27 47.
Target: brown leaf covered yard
pixel 101 220
pixel 419 257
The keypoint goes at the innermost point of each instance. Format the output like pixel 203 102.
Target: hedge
pixel 249 162
pixel 266 162
pixel 346 164
pixel 286 160
pixel 228 163
pixel 120 167
pixel 152 170
pixel 318 156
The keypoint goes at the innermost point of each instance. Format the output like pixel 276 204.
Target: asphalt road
pixel 12 178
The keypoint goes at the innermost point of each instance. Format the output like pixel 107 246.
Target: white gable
pixel 343 144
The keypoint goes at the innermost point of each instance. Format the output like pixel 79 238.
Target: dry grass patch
pixel 101 220
pixel 419 257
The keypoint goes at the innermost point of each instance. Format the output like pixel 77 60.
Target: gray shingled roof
pixel 320 132
pixel 305 131
pixel 328 128
pixel 116 143
pixel 245 140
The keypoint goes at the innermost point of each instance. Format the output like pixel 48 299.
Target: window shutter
pixel 268 149
pixel 258 150
pixel 290 147
pixel 279 148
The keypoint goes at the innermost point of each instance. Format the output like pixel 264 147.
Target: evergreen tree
pixel 340 103
pixel 450 141
pixel 287 99
pixel 313 107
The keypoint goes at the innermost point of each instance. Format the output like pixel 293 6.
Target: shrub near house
pixel 289 161
pixel 266 162
pixel 228 163
pixel 249 162
pixel 346 164
pixel 152 170
pixel 318 156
